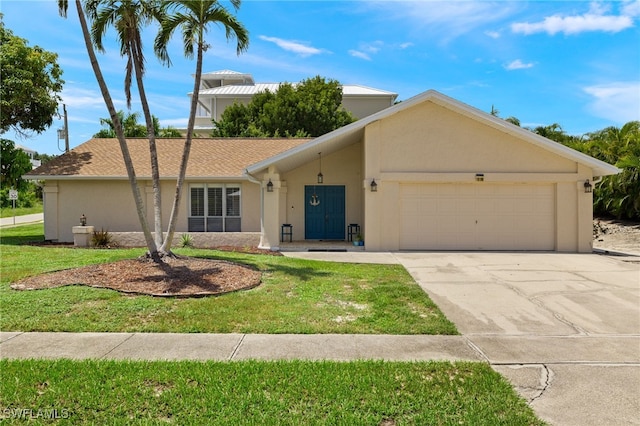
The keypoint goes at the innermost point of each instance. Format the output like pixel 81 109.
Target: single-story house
pixel 430 173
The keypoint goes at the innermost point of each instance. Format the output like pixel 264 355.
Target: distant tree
pixel 15 163
pixel 617 195
pixel 169 132
pixel 556 133
pixel 133 129
pixel 311 108
pixel 496 113
pixel 513 120
pixel 44 158
pixel 30 80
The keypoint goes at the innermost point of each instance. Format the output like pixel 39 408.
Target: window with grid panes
pixel 222 204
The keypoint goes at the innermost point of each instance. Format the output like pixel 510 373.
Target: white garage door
pixel 477 217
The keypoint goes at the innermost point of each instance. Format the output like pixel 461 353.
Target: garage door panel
pixel 477 217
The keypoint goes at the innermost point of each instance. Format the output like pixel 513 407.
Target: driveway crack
pixel 546 377
pixel 538 302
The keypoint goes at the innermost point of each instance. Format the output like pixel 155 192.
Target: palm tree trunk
pixel 166 247
pixel 135 189
pixel 155 169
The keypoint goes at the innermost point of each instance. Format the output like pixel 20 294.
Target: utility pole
pixel 66 129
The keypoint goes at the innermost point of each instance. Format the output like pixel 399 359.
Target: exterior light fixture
pixel 269 186
pixel 320 176
pixel 83 220
pixel 374 186
pixel 588 188
pixel 479 177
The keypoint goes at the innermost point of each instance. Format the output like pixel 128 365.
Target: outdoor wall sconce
pixel 320 176
pixel 374 186
pixel 587 187
pixel 479 177
pixel 269 186
pixel 83 220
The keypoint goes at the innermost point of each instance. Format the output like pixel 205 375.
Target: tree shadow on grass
pixel 261 263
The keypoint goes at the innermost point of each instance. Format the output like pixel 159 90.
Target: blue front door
pixel 324 217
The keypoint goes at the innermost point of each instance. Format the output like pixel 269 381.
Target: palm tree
pixel 128 17
pixel 130 125
pixel 194 17
pixel 135 189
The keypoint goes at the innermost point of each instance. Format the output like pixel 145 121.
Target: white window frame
pixel 224 216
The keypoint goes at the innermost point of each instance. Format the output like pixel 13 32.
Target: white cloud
pixel 373 47
pixel 446 20
pixel 618 101
pixel 518 65
pixel 359 54
pixel 631 8
pixel 83 99
pixel 293 46
pixel 596 19
pixel 405 45
pixel 492 34
pixel 365 50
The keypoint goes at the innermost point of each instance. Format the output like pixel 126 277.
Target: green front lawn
pixel 259 393
pixel 296 296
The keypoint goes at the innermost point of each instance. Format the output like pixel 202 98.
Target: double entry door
pixel 324 214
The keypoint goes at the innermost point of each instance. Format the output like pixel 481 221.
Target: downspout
pixel 255 180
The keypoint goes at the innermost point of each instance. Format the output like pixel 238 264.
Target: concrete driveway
pixel 563 328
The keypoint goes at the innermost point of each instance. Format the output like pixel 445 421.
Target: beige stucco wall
pixel 109 205
pixel 287 201
pixel 363 107
pixel 432 144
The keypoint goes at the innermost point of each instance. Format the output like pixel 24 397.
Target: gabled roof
pixel 223 158
pixel 354 132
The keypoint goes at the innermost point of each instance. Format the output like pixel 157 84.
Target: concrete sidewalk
pixel 21 220
pixel 234 347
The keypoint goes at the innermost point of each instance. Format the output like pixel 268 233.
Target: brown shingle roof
pixel 210 158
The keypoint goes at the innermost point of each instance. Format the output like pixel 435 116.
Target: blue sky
pixel 569 62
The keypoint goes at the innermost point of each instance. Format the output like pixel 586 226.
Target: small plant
pixel 186 241
pixel 101 239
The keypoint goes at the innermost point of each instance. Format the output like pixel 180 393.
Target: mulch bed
pixel 175 277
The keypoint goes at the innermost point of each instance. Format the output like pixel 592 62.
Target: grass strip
pixel 259 392
pixel 296 296
pixel 20 211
